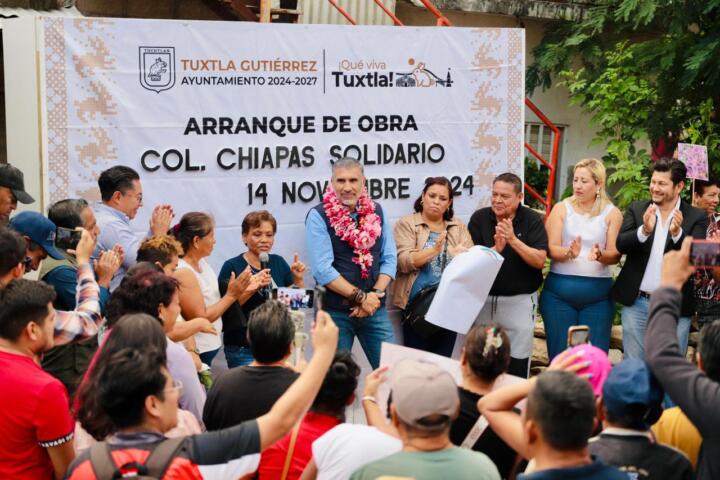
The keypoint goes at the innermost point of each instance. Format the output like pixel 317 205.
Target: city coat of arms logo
pixel 157 68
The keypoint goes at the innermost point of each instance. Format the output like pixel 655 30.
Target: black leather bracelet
pixel 357 297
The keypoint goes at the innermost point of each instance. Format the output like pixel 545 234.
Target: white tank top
pixel 591 230
pixel 206 342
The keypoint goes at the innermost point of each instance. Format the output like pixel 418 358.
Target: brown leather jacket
pixel 411 233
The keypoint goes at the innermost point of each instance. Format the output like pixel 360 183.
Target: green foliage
pixel 619 99
pixel 641 69
pixel 536 175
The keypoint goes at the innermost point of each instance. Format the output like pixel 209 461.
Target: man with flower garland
pixel 352 253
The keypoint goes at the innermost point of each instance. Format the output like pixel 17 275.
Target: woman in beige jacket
pixel 421 239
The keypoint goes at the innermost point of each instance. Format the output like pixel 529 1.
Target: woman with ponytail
pixel 484 359
pixel 287 459
pixel 582 231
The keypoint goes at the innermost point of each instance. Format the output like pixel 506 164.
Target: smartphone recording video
pixel 578 335
pixel 294 298
pixel 67 238
pixel 705 253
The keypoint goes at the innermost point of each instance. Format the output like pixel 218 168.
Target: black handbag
pixel 414 313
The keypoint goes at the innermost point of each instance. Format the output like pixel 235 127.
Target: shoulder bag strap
pixel 444 254
pixel 475 432
pixel 102 461
pixel 291 451
pixel 162 455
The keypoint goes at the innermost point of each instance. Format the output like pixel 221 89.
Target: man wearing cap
pixel 424 403
pixel 39 234
pixel 631 402
pixel 69 326
pixel 12 190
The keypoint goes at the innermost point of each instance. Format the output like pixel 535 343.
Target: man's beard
pixel 349 203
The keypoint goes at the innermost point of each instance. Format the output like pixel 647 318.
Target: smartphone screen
pixel 294 298
pixel 705 253
pixel 67 238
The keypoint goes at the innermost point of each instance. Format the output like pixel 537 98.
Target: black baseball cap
pixel 12 178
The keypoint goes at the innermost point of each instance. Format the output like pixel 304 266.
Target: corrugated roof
pixel 365 12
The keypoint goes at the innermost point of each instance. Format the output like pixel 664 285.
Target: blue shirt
pixel 115 230
pixel 64 280
pixel 320 251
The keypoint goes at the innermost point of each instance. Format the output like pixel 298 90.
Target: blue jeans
pixel 371 331
pixel 571 300
pixel 207 357
pixel 634 323
pixel 238 356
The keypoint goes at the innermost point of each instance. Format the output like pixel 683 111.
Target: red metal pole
pixel 553 153
pixel 342 12
pixel 442 19
pixel 395 20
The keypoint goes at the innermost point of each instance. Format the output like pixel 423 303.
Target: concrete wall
pixel 21 104
pixel 554 103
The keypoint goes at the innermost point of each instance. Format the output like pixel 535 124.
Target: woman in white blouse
pixel 582 231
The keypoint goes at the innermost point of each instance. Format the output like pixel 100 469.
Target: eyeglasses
pixel 138 197
pixel 177 386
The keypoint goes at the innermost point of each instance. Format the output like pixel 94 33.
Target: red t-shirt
pixel 34 415
pixel 272 460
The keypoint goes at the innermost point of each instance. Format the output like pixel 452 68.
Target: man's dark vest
pixel 343 255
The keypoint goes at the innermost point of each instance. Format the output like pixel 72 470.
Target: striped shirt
pixel 84 321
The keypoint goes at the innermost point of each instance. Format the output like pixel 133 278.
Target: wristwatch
pixel 378 291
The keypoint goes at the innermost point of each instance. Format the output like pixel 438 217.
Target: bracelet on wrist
pixel 369 398
pixel 357 297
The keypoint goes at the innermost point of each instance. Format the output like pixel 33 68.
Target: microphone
pixel 264 264
pixel 264 260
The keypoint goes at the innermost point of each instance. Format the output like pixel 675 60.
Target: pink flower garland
pixel 361 236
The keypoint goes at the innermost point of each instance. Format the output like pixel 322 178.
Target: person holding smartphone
pixel 67 363
pixel 258 235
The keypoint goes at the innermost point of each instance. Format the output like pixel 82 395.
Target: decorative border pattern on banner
pixel 515 91
pixel 56 103
pixel 98 151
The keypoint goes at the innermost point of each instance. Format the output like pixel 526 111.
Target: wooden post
pixel 265 11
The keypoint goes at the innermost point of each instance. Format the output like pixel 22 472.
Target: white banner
pixel 230 117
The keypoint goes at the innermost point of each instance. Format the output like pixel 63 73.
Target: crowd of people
pixel 105 360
